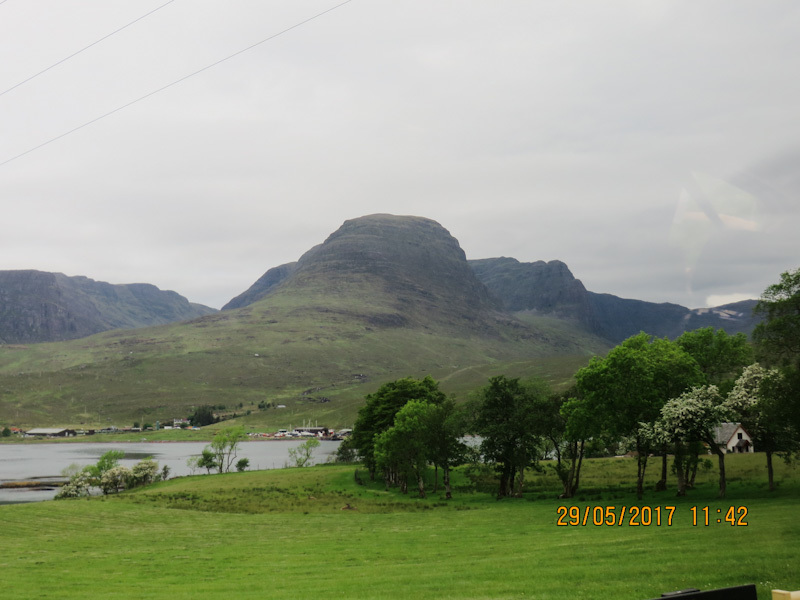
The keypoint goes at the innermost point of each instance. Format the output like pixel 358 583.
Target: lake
pixel 45 462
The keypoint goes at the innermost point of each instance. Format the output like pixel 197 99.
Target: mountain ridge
pixel 39 306
pixel 550 288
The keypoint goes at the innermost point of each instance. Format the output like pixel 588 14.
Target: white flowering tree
pixel 694 415
pixel 756 398
pixel 115 479
pixel 144 472
pixel 77 487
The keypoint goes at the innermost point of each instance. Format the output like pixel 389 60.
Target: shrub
pixel 116 479
pixel 144 472
pixel 77 487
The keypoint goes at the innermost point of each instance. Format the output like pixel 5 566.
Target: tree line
pixel 655 397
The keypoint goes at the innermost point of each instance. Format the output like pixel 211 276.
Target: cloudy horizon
pixel 652 147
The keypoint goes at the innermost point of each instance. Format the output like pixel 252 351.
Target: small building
pixel 50 432
pixel 313 431
pixel 734 438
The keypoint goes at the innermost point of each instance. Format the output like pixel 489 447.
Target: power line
pixel 63 60
pixel 169 85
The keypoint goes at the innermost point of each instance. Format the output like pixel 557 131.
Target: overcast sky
pixel 652 146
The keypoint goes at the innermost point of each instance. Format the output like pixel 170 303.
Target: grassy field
pixel 285 533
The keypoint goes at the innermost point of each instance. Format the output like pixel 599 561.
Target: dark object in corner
pixel 741 592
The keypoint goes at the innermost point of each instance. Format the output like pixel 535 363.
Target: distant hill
pixel 551 289
pixel 36 306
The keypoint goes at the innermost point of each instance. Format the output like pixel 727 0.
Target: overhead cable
pixel 169 85
pixel 105 37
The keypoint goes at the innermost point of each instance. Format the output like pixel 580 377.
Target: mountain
pixel 382 297
pixel 42 307
pixel 411 266
pixel 551 289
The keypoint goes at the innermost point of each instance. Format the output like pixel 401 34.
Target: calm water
pixel 46 461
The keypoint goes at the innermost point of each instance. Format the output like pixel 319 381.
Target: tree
pixel 720 356
pixel 242 464
pixel 507 421
pixel 224 447
pixel 6 432
pixel 206 460
pixel 402 449
pixel 759 399
pixel 77 487
pixel 567 424
pixel 446 427
pixel 144 472
pixel 778 336
pixel 778 343
pixel 202 416
pixel 377 414
pixel 115 479
pixel 345 453
pixel 630 385
pixel 301 455
pixel 694 415
pixel 107 461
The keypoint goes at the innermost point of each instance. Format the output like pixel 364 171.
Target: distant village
pixel 321 433
pixel 731 436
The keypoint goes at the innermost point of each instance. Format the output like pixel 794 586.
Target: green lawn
pixel 284 533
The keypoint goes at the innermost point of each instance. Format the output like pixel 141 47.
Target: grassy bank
pixel 285 532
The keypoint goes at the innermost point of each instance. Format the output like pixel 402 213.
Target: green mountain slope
pixel 384 297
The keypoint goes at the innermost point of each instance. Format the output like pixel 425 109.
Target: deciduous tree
pixel 778 336
pixel 302 454
pixel 760 399
pixel 694 415
pixel 377 414
pixel 402 450
pixel 507 421
pixel 224 447
pixel 446 427
pixel 719 355
pixel 631 384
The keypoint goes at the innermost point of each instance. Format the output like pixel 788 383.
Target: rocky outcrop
pixel 543 287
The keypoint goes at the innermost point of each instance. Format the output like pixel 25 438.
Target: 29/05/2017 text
pixel 638 516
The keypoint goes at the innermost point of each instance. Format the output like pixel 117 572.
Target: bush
pixel 77 487
pixel 116 479
pixel 144 472
pixel 345 453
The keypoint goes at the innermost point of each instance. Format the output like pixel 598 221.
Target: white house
pixel 734 438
